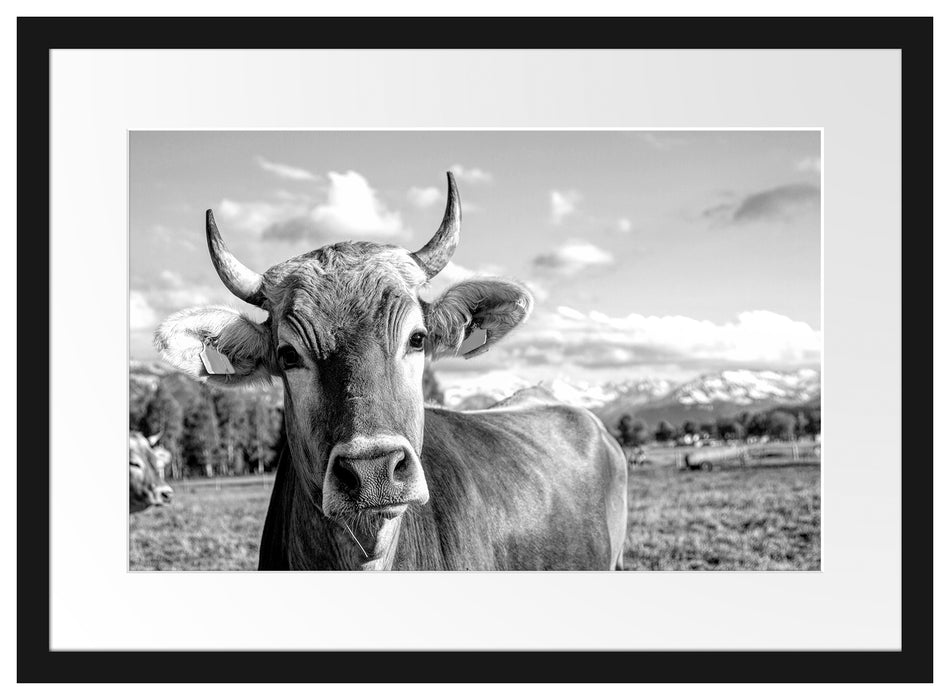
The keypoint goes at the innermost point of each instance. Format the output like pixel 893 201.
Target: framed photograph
pixel 529 358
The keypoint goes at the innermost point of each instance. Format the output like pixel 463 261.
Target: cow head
pixel 147 464
pixel 347 333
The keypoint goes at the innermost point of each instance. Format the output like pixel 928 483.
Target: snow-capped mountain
pixel 746 387
pixel 710 395
pixel 494 386
pixel 591 395
pixel 478 391
pixel 721 394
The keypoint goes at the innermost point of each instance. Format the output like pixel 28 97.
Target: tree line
pixel 779 424
pixel 210 431
pixel 218 432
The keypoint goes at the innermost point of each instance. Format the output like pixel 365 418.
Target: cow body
pixel 532 485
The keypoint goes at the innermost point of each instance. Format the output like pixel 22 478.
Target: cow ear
pixel 153 439
pixel 184 336
pixel 492 306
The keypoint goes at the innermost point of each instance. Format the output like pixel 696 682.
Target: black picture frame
pixel 913 37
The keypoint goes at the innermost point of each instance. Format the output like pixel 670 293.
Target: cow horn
pixel 435 254
pixel 243 282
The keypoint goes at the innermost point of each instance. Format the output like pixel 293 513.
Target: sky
pixel 662 254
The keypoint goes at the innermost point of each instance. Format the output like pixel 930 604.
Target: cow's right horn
pixel 243 282
pixel 435 254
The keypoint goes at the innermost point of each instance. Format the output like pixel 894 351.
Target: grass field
pixel 741 519
pixel 204 529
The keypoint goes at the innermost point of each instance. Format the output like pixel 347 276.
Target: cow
pixel 147 464
pixel 374 479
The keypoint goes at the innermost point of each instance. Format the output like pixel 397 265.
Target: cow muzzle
pixel 161 495
pixel 380 474
pixel 164 494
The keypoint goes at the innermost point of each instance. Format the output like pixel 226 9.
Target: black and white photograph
pixel 472 350
pixel 595 336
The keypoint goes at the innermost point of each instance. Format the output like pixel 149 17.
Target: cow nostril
pixel 401 470
pixel 346 475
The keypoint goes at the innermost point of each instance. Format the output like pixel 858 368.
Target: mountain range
pixel 721 394
pixel 706 397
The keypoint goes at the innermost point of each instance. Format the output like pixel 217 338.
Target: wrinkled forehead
pixel 343 281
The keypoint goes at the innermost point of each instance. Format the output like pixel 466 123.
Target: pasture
pixel 761 518
pixel 204 529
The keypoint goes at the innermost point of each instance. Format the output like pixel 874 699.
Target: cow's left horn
pixel 243 282
pixel 435 254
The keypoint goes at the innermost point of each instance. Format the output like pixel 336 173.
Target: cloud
pixel 288 172
pixel 423 197
pixel 572 257
pixel 593 339
pixel 350 209
pixel 472 176
pixel 778 202
pixel 171 292
pixel 255 217
pixel 809 165
pixel 720 212
pixel 563 204
pixel 172 237
pixel 539 291
pixel 171 278
pixel 353 210
pixel 781 203
pixel 173 299
pixel 141 314
pixel 293 230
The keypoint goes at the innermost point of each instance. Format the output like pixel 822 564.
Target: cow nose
pixel 378 473
pixel 164 494
pixel 375 472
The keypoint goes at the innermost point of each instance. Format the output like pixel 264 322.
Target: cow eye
pixel 287 357
pixel 417 340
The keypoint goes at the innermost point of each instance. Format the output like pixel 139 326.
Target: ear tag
pixel 475 339
pixel 214 361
